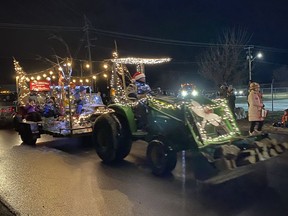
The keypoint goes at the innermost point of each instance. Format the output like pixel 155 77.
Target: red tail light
pixel 12 109
pixel 8 110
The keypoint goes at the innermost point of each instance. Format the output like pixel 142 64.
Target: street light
pixel 250 60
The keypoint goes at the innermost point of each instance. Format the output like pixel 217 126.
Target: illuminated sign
pixel 40 85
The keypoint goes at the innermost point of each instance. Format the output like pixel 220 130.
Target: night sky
pixel 195 22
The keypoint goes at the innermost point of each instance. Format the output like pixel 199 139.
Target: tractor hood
pixel 209 121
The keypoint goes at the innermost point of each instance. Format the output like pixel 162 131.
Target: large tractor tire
pixel 26 135
pixel 111 138
pixel 161 158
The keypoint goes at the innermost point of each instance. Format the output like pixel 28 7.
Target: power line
pixel 152 39
pixel 38 27
pixel 273 63
pixel 271 49
pixel 130 36
pixel 111 34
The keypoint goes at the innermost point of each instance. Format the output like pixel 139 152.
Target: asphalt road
pixel 66 177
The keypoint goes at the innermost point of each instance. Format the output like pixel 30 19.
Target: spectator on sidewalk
pixel 284 120
pixel 255 107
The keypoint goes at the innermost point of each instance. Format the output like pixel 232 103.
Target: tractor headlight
pixel 194 93
pixel 184 93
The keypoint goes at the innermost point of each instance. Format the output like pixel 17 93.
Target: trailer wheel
pixel 28 140
pixel 111 139
pixel 26 135
pixel 161 159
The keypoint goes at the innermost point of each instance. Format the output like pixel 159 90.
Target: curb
pixel 6 209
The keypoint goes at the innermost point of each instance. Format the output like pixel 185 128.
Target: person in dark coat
pixel 231 99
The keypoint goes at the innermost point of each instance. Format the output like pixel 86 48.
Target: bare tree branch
pixel 226 62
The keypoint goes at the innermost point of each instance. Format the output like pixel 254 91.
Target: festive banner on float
pixel 39 86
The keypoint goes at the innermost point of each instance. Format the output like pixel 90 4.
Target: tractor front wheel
pixel 161 159
pixel 111 138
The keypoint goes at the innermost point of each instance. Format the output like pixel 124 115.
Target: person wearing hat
pixel 140 80
pixel 141 108
pixel 255 107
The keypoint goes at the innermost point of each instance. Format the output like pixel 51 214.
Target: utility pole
pixel 272 93
pixel 249 58
pixel 86 30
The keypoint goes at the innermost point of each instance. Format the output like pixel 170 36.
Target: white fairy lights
pixel 21 84
pixel 135 61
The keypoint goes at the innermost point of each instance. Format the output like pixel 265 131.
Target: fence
pixel 274 98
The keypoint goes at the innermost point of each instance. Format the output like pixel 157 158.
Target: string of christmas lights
pixel 136 61
pixel 52 74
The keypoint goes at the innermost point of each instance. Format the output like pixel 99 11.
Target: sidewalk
pixel 5 211
pixel 244 126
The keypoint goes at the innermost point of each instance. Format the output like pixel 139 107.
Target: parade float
pixel 203 127
pixel 56 96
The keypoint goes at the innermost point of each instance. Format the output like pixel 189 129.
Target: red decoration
pixel 40 86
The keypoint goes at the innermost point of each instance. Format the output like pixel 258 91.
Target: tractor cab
pixel 123 86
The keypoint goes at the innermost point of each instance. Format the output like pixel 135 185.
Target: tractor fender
pixel 31 127
pixel 127 113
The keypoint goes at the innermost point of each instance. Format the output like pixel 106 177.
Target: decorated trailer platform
pixel 51 102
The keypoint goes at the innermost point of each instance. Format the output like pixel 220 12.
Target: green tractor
pixel 202 126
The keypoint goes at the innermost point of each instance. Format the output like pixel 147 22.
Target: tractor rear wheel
pixel 111 138
pixel 161 159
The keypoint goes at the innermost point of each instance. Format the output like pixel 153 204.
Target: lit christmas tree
pixel 21 84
